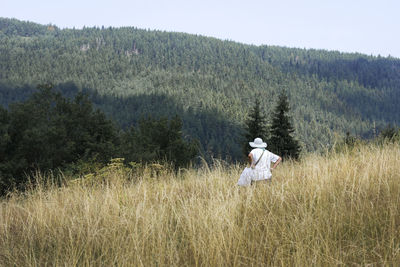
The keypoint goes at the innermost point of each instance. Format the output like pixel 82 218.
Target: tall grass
pixel 340 209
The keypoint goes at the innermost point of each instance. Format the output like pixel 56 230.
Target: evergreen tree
pixel 255 126
pixel 158 140
pixel 49 132
pixel 282 142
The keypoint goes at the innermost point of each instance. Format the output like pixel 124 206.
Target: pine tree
pixel 255 126
pixel 158 140
pixel 282 142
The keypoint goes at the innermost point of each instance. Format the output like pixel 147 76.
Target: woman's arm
pixel 250 159
pixel 276 163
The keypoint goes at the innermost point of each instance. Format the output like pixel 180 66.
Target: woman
pixel 260 161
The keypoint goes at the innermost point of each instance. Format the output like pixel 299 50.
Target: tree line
pixel 50 132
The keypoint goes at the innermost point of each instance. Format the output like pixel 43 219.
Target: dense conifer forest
pixel 211 84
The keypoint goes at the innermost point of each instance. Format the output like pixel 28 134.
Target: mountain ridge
pixel 330 92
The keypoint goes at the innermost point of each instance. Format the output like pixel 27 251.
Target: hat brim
pixel 263 145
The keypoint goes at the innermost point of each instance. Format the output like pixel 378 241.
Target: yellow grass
pixel 342 209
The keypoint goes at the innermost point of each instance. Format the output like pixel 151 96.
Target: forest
pixel 212 84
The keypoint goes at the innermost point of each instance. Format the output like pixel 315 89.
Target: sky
pixel 366 26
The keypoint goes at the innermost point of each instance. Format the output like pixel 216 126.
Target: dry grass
pixel 342 209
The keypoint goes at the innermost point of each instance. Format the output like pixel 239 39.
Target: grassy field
pixel 340 209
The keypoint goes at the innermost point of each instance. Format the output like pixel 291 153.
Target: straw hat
pixel 258 142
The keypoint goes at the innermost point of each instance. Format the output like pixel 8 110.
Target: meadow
pixel 330 210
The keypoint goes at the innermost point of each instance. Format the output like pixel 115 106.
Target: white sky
pixel 365 26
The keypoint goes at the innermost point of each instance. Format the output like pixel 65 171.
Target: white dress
pixel 262 170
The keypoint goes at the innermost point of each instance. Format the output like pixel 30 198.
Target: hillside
pixel 211 83
pixel 339 209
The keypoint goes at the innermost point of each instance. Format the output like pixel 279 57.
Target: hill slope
pixel 211 83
